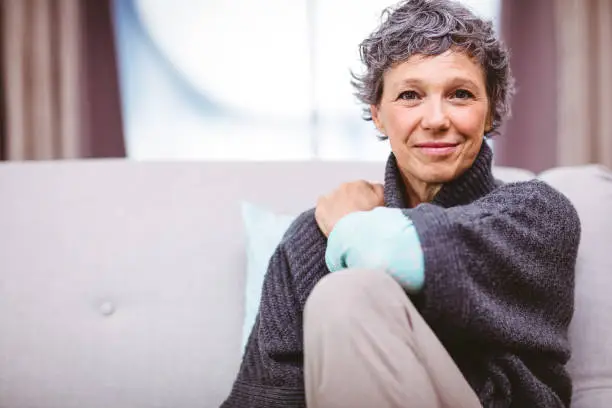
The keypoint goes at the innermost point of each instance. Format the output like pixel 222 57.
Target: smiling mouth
pixel 437 148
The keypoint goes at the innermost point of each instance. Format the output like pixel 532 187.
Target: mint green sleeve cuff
pixel 383 238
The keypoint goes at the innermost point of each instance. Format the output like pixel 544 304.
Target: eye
pixel 463 94
pixel 408 95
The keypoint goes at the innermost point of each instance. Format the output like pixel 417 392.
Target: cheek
pixel 470 122
pixel 400 123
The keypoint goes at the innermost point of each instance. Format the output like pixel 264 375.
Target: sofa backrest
pixel 122 283
pixel 590 190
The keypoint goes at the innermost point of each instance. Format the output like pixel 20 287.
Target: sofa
pixel 122 283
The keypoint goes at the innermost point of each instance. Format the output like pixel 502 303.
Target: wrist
pixel 341 239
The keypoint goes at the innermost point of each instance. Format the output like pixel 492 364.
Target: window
pixel 246 80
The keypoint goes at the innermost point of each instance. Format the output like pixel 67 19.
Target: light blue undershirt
pixel 383 238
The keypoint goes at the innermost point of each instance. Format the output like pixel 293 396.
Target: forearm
pixel 383 238
pixel 502 268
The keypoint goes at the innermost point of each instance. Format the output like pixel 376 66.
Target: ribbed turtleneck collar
pixel 474 183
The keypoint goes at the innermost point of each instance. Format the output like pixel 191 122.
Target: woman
pixel 444 288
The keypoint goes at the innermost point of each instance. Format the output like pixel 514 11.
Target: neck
pixel 418 192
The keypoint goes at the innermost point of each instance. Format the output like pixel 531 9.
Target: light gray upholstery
pixel 122 283
pixel 590 189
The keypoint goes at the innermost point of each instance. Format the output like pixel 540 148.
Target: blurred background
pixel 270 80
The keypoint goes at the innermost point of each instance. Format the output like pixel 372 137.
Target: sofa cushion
pixel 510 174
pixel 122 283
pixel 590 190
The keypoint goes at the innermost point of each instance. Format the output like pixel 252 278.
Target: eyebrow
pixel 455 81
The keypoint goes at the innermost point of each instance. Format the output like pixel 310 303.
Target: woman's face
pixel 435 110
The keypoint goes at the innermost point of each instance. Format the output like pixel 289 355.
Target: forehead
pixel 437 69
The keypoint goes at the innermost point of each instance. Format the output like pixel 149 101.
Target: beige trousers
pixel 366 346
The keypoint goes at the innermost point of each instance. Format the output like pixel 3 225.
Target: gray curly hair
pixel 431 27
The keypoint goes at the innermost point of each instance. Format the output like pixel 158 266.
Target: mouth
pixel 437 148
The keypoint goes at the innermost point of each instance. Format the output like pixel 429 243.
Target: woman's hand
pixel 348 198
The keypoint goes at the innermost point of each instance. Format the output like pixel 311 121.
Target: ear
pixel 374 112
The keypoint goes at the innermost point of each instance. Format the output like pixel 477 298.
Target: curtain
pixel 57 103
pixel 584 82
pixel 562 61
pixel 529 137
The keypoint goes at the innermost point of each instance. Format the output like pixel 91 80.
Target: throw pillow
pixel 264 231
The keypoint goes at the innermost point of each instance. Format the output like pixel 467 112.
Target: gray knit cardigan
pixel 498 293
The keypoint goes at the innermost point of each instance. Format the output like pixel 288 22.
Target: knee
pixel 342 296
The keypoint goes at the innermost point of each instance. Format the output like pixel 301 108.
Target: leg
pixel 365 345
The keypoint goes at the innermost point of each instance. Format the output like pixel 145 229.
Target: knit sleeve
pixel 271 373
pixel 499 277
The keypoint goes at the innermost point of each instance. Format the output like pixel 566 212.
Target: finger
pixel 361 184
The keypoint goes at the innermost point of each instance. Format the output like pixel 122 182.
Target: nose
pixel 434 115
